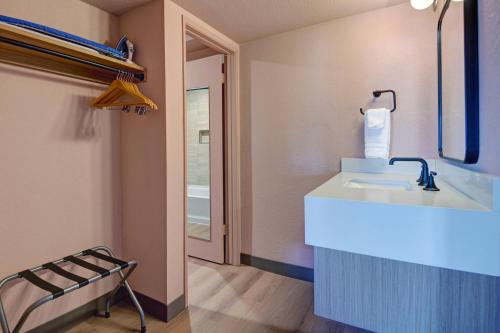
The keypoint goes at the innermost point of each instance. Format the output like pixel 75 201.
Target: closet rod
pixel 137 76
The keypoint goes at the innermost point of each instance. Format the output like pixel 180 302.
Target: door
pixel 204 158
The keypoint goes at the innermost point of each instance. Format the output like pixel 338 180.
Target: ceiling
pixel 193 44
pixel 245 20
pixel 196 49
pixel 116 7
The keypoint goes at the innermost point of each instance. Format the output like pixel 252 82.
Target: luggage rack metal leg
pixel 60 292
pixel 125 284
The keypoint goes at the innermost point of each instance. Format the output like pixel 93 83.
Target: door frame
pixel 232 205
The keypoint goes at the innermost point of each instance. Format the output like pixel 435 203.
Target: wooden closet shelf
pixel 33 50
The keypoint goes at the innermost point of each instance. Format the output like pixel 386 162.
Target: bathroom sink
pixel 379 184
pixel 373 209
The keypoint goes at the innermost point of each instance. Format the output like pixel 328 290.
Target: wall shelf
pixel 30 49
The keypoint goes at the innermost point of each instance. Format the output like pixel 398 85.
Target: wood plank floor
pixel 228 299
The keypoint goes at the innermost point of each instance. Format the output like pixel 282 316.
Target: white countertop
pixel 447 197
pixel 456 228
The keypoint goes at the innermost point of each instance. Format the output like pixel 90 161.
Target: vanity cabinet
pixel 392 258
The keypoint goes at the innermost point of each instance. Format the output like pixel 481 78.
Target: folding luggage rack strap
pixel 55 291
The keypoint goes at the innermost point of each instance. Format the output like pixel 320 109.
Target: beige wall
pixel 301 93
pixel 60 169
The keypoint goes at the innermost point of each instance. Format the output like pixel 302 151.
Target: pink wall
pixel 301 93
pixel 174 16
pixel 73 178
pixel 64 179
pixel 489 83
pixel 143 148
pixel 60 170
pixel 174 72
pixel 152 148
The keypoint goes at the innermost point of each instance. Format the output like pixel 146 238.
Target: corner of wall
pixel 144 157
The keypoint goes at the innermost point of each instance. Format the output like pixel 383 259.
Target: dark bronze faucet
pixel 425 179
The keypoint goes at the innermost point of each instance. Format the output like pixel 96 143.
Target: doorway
pixel 213 235
pixel 204 142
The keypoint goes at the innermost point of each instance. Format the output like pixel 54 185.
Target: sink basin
pixel 379 184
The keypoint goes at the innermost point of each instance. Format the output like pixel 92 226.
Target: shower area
pixel 198 162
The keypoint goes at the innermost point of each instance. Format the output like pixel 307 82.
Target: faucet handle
pixel 431 184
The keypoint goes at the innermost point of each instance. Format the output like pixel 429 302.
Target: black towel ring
pixel 378 93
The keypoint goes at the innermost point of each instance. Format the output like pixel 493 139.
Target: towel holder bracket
pixel 378 93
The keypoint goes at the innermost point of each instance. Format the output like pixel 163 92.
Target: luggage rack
pixel 56 292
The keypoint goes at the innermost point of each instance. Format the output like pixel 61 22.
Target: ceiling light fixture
pixel 423 4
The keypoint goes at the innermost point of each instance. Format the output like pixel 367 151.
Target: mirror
pixel 198 162
pixel 458 82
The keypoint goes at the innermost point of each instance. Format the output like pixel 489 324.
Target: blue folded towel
pixel 64 36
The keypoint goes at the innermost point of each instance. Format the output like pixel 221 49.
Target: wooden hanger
pixel 111 94
pixel 123 86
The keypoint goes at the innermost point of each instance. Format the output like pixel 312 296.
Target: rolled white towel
pixel 377 133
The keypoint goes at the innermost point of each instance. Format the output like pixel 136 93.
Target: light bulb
pixel 421 4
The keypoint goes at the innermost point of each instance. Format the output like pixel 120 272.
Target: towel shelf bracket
pixel 378 93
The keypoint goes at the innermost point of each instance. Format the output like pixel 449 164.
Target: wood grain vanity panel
pixel 387 296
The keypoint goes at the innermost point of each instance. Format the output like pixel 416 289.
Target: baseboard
pixel 157 309
pixel 176 307
pixel 74 317
pixel 150 306
pixel 281 268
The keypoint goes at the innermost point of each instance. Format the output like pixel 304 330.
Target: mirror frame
pixel 471 54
